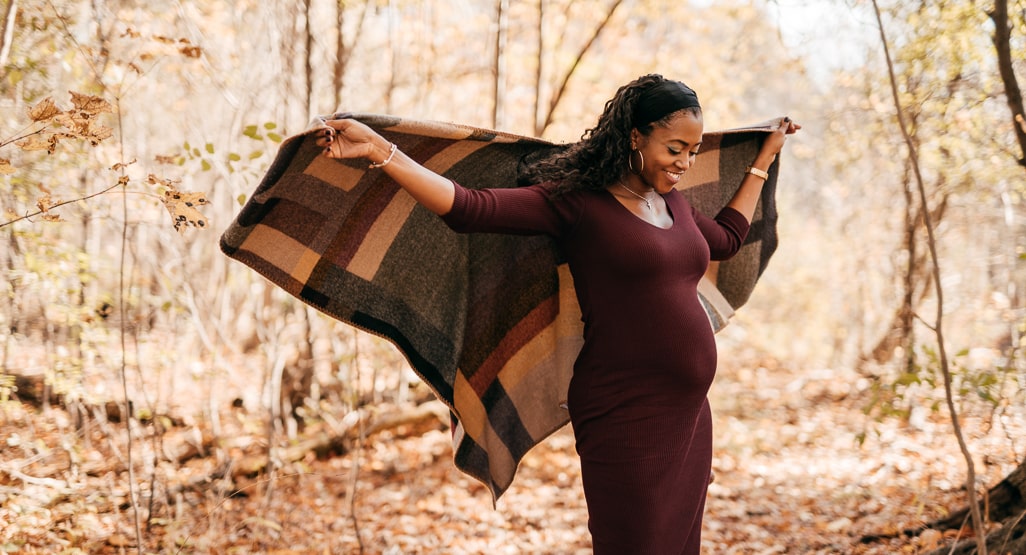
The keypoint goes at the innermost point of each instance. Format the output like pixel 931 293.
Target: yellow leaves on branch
pixel 180 204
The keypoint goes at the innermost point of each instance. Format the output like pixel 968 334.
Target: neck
pixel 639 188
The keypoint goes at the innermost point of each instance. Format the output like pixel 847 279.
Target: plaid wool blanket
pixel 490 322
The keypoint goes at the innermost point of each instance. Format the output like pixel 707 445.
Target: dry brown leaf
pixel 44 110
pixel 122 165
pixel 99 132
pixel 33 143
pixel 161 182
pixel 46 202
pixel 182 206
pixel 90 104
pixel 5 167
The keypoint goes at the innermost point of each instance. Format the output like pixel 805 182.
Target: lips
pixel 674 176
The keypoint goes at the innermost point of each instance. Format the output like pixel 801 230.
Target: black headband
pixel 663 99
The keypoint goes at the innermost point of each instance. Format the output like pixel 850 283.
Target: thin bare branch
pixel 58 205
pixel 554 102
pixel 977 518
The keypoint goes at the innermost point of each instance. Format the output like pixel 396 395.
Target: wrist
pixel 761 174
pixel 764 161
pixel 381 152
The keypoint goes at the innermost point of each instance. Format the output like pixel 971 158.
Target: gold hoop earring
pixel 630 163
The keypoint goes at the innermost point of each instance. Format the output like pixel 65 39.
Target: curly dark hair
pixel 599 159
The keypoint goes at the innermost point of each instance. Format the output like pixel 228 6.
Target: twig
pixel 22 137
pixel 59 204
pixel 358 451
pixel 977 518
pixel 133 494
pixel 45 482
pixel 554 101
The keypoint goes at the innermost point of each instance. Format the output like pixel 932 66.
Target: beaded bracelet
pixel 391 153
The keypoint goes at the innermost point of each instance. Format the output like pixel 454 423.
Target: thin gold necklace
pixel 648 203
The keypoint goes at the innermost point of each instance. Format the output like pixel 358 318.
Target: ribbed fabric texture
pixel 637 399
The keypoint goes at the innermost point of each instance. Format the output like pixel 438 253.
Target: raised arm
pixel 348 138
pixel 747 196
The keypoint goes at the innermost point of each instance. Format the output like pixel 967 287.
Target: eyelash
pixel 691 154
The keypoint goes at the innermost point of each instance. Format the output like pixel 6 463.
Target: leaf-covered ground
pixel 790 477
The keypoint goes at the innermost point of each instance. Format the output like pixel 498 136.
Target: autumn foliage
pixel 156 397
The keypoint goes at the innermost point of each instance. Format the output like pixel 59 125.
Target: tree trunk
pixel 308 58
pixel 297 380
pixel 344 51
pixel 7 36
pixel 917 283
pixel 501 33
pixel 1005 503
pixel 1013 95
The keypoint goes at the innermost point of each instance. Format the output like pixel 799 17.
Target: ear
pixel 635 138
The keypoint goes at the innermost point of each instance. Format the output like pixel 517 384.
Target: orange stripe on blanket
pixel 386 227
pixel 477 426
pixel 547 360
pixel 334 172
pixel 381 235
pixel 281 251
pixel 447 158
pixel 536 321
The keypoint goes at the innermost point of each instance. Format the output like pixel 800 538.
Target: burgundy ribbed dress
pixel 637 398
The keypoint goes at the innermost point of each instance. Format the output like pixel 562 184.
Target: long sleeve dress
pixel 637 399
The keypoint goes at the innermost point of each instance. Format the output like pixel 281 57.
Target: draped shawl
pixel 489 322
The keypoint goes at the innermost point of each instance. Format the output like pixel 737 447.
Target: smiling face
pixel 668 152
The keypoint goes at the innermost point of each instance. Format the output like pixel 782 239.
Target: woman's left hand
pixel 774 143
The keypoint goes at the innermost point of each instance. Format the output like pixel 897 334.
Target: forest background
pixel 157 397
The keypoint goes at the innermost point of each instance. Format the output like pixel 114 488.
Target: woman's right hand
pixel 348 138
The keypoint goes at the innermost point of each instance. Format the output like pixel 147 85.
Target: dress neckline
pixel 669 211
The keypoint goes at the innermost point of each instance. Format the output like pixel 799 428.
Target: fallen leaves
pixel 790 479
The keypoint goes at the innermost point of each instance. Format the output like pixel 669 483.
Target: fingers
pixel 789 126
pixel 325 137
pixel 346 138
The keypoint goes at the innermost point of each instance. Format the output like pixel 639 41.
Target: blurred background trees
pixel 202 93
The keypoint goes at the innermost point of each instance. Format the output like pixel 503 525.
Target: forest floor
pixel 791 476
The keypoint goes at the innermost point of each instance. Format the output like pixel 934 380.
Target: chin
pixel 665 187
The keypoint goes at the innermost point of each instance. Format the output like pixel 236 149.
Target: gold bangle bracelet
pixel 757 172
